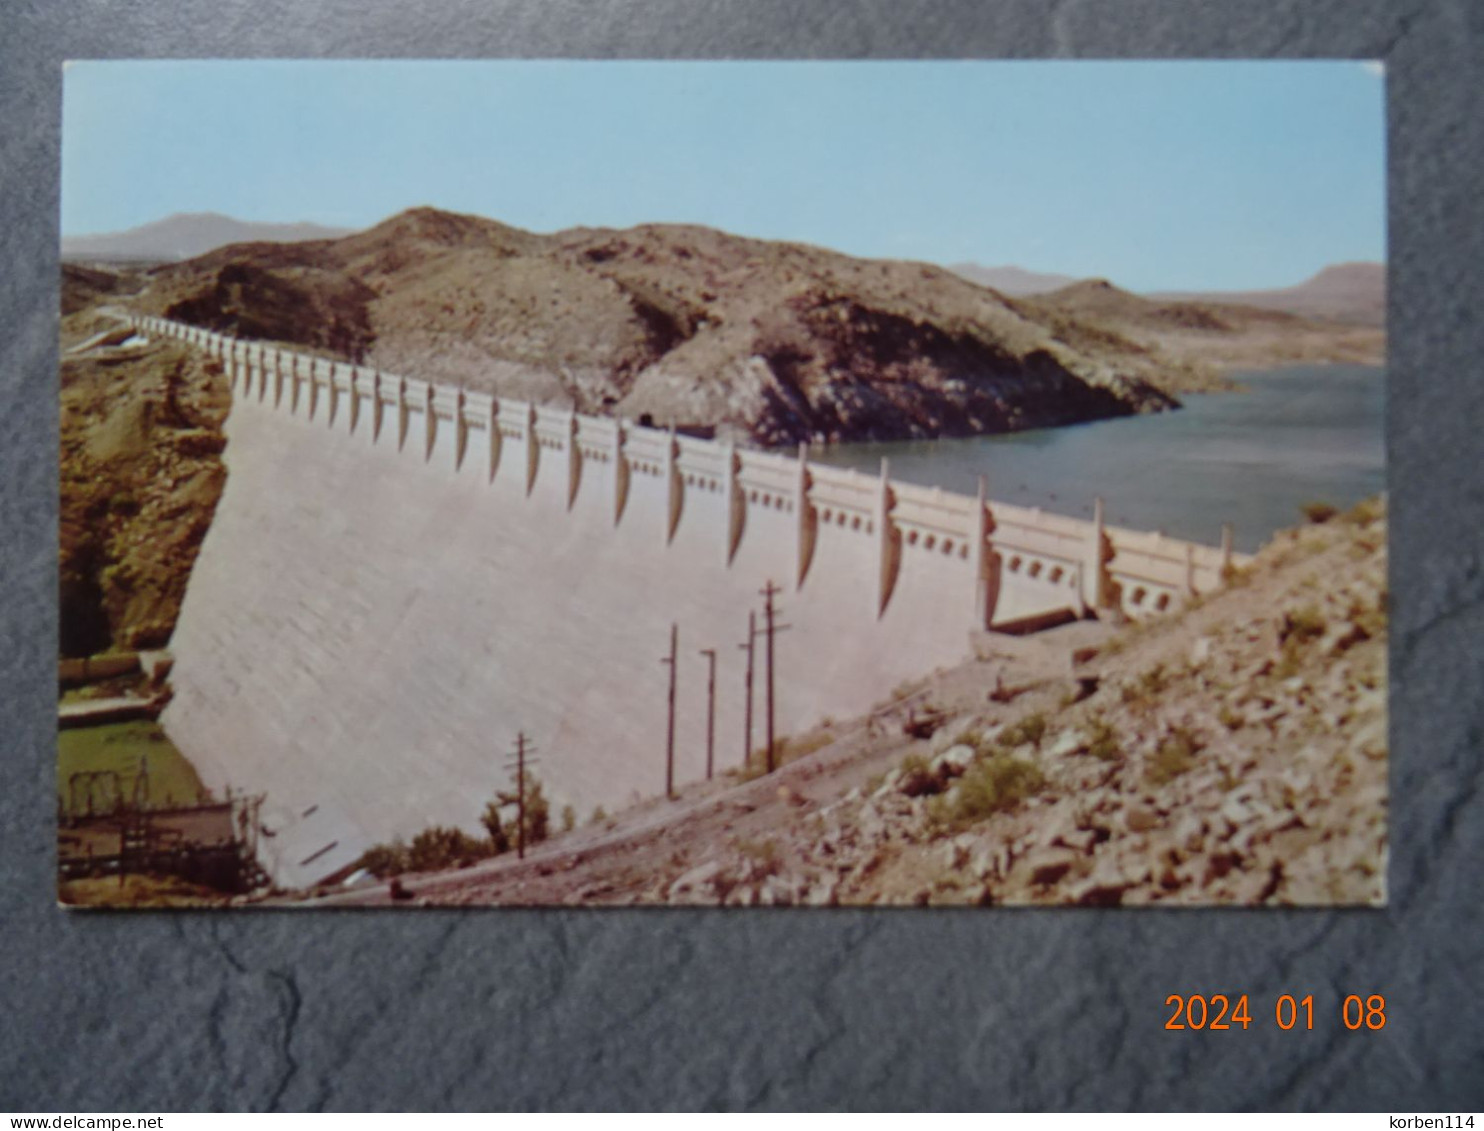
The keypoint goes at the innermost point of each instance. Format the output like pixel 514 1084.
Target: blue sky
pixel 1154 174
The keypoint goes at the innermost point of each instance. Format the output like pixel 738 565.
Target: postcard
pixel 723 483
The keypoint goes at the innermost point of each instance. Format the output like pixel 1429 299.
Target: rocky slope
pixel 1232 753
pixel 771 342
pixel 141 473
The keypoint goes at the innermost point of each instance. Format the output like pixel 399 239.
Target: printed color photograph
pixel 722 484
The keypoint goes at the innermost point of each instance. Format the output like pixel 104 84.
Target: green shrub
pixel 1030 729
pixel 1367 511
pixel 1103 742
pixel 1295 633
pixel 385 860
pixel 494 824
pixel 1303 625
pixel 445 847
pixel 1319 512
pixel 1146 686
pixel 537 815
pixel 763 854
pixel 992 785
pixel 1173 756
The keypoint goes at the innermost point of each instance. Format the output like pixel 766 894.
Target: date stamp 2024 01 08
pixel 1221 1011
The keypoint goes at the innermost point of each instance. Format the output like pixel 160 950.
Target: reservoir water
pixel 1252 458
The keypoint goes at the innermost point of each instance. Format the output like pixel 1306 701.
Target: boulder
pixel 703 876
pixel 954 760
pixel 1067 743
pixel 1141 818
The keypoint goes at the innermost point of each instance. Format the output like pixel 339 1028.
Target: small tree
pixel 537 815
pixel 499 838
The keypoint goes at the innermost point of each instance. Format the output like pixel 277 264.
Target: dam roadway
pixel 400 576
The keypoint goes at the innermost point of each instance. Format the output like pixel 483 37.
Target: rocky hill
pixel 767 341
pixel 141 471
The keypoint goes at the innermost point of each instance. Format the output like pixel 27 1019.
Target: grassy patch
pixel 1298 630
pixel 915 764
pixel 1367 511
pixel 789 749
pixel 1319 512
pixel 993 785
pixel 119 747
pixel 1103 741
pixel 1147 686
pixel 1030 729
pixel 1174 756
pixel 137 891
pixel 762 853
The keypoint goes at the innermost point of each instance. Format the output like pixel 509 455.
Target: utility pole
pixel 710 654
pixel 670 725
pixel 522 749
pixel 771 629
pixel 750 648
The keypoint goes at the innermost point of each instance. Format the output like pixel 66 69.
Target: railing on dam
pixel 1014 563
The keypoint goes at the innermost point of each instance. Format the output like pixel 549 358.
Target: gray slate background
pixel 762 1009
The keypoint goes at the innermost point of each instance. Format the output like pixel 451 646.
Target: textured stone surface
pixel 767 1008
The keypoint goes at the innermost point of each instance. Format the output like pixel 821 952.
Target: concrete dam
pixel 401 576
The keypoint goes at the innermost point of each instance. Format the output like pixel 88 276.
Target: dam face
pixel 400 577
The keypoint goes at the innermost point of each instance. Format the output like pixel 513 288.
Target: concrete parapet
pixel 1007 561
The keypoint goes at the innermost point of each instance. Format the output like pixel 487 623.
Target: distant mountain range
pixel 186 235
pixel 1352 293
pixel 1013 281
pixel 1342 292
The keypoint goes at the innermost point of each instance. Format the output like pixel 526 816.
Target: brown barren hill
pixel 767 341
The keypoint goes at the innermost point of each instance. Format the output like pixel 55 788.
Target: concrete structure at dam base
pixel 401 575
